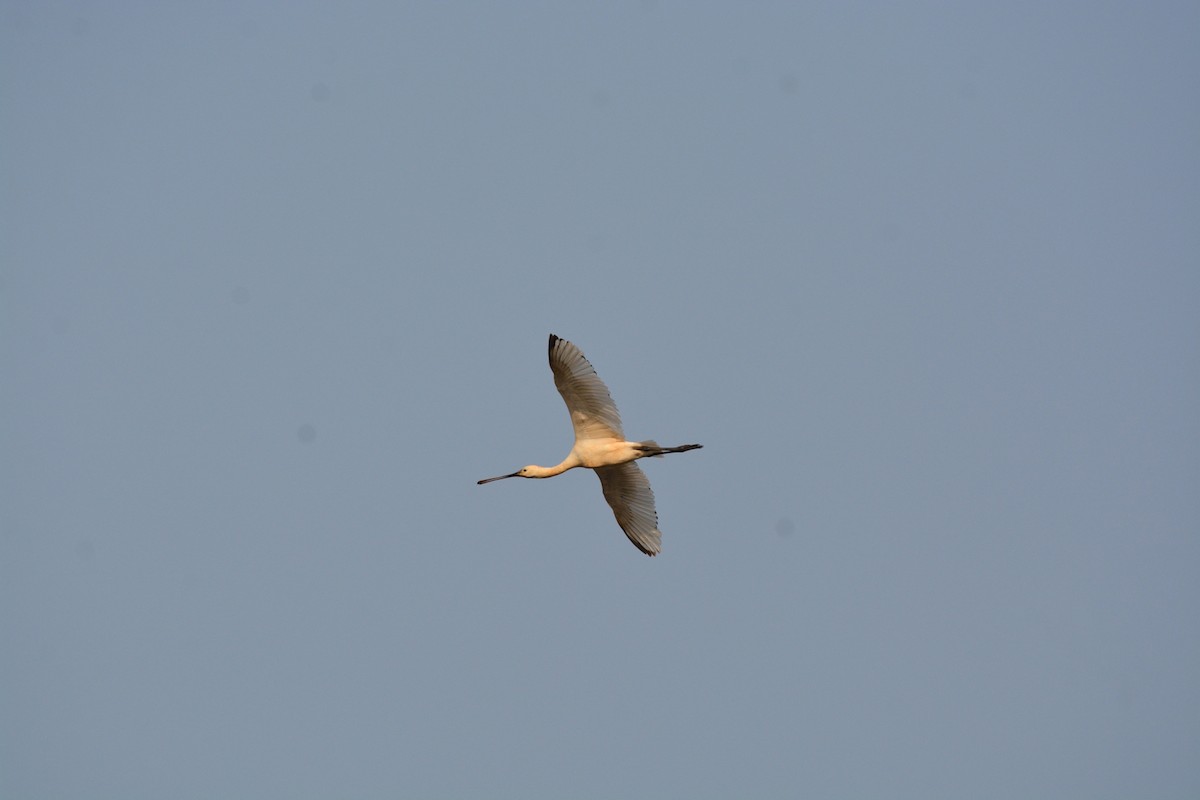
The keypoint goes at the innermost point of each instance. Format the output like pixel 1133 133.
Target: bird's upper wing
pixel 627 490
pixel 593 412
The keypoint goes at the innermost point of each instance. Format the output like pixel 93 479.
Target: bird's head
pixel 523 472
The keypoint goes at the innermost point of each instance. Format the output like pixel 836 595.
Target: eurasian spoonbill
pixel 600 446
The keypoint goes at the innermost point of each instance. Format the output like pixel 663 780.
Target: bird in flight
pixel 600 446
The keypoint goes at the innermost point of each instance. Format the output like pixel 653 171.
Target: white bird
pixel 600 445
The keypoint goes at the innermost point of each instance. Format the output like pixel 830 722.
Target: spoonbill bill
pixel 600 446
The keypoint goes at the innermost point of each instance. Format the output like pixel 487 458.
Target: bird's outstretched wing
pixel 627 491
pixel 593 412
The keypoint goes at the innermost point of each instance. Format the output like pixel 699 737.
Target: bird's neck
pixel 549 472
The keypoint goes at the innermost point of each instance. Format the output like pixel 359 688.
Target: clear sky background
pixel 276 283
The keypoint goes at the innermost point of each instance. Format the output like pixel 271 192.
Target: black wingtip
pixel 553 340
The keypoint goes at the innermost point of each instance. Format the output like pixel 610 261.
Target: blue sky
pixel 275 287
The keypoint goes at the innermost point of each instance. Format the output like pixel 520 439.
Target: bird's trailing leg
pixel 651 448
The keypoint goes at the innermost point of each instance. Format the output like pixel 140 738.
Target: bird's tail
pixel 650 448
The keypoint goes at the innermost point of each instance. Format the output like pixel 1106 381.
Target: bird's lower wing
pixel 627 491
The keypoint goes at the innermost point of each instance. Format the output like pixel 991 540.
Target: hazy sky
pixel 275 287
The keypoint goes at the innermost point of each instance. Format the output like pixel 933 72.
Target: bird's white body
pixel 590 454
pixel 600 445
